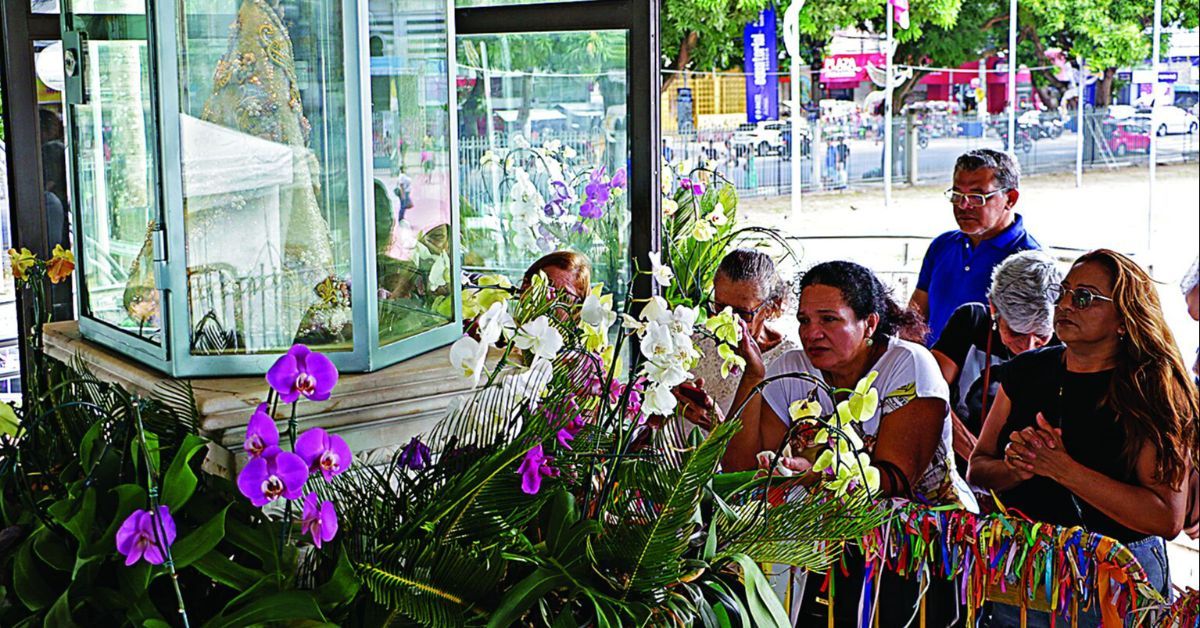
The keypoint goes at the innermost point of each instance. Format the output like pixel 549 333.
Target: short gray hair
pixel 1004 167
pixel 1191 278
pixel 756 267
pixel 1020 292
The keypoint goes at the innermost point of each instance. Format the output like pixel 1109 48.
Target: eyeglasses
pixel 973 200
pixel 1081 298
pixel 715 308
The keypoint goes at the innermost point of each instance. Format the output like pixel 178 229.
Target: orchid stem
pixel 160 532
pixel 285 535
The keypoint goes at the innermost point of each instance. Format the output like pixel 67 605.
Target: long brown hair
pixel 1151 392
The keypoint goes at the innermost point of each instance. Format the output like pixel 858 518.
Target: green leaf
pixel 765 607
pixel 59 615
pixel 283 607
pixel 51 549
pixel 9 423
pixel 130 497
pixel 28 584
pixel 710 544
pixel 155 623
pixel 180 481
pixel 133 581
pixel 562 515
pixel 200 541
pixel 80 525
pixel 87 446
pixel 524 595
pixel 223 570
pixel 342 586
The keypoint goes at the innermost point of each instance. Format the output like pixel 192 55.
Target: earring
pixel 870 341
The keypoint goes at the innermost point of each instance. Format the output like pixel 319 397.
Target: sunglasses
pixel 973 200
pixel 715 308
pixel 1081 298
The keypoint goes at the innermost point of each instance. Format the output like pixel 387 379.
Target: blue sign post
pixel 762 64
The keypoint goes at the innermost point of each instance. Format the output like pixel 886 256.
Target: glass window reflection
pixel 544 151
pixel 412 187
pixel 266 211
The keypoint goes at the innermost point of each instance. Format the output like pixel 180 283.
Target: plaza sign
pixel 762 64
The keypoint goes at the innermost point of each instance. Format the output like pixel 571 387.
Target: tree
pixel 705 34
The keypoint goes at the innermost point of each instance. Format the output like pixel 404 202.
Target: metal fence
pixel 848 154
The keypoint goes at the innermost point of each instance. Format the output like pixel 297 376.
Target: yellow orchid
pixel 702 231
pixel 863 401
pixel 489 289
pixel 724 327
pixel 804 409
pixel 593 339
pixel 62 263
pixel 21 262
pixel 669 207
pixel 731 360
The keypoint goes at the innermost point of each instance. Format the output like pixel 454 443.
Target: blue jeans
pixel 1150 552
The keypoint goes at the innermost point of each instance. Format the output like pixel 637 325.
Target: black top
pixel 964 341
pixel 1090 432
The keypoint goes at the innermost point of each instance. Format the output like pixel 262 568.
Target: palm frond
pixel 653 520
pixel 807 531
pixel 435 585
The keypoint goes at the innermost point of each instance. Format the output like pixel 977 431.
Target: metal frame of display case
pixel 175 357
pixel 640 19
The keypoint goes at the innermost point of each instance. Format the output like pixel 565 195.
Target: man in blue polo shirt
pixel 958 265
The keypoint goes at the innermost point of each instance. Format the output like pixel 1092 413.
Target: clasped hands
pixel 1037 450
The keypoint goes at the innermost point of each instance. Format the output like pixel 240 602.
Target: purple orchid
pixel 261 432
pixel 415 455
pixel 139 536
pixel 619 179
pixel 319 519
pixel 697 188
pixel 534 467
pixel 302 371
pixel 570 431
pixel 597 191
pixel 324 452
pixel 274 474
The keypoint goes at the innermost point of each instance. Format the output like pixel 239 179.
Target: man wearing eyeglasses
pixel 958 265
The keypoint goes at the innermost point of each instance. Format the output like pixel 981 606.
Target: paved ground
pixel 1110 210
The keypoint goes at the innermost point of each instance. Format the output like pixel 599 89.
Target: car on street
pixel 1129 136
pixel 763 138
pixel 1171 120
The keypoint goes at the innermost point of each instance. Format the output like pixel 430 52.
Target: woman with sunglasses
pixel 1101 431
pixel 747 284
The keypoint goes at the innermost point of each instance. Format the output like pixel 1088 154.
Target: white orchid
pixel 718 217
pixel 666 373
pixel 530 383
pixel 468 356
pixel 540 338
pixel 659 401
pixel 495 323
pixel 439 273
pixel 683 319
pixel 669 207
pixel 656 310
pixel 661 272
pixel 658 343
pixel 552 146
pixel 568 152
pixel 598 310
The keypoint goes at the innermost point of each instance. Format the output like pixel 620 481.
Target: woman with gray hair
pixel 1017 318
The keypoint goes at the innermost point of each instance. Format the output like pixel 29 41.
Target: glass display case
pixel 249 174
